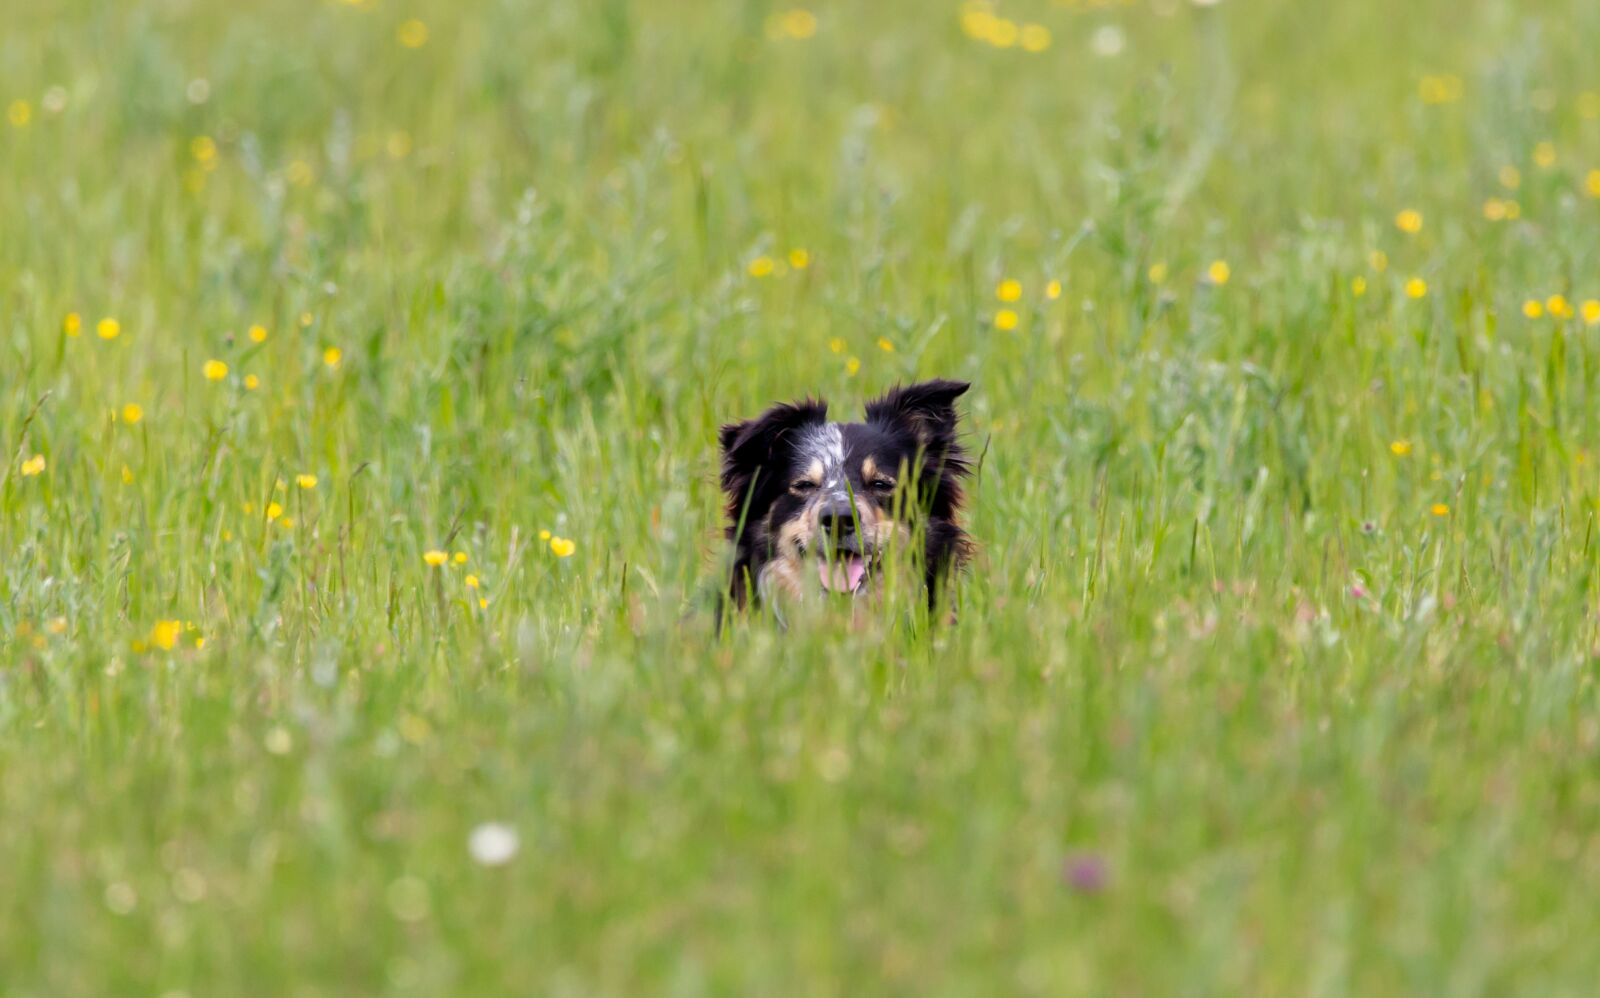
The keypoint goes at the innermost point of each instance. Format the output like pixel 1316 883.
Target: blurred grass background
pixel 1276 673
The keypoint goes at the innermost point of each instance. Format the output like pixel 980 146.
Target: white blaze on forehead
pixel 825 444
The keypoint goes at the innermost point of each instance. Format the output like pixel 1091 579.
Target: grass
pixel 1277 671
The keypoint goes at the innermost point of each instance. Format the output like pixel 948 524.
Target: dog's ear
pixel 927 409
pixel 748 448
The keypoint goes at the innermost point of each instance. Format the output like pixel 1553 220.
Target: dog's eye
pixel 803 485
pixel 882 485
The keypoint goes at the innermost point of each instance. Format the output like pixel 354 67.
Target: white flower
pixel 492 844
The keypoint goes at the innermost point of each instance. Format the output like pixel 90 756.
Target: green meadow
pixel 361 365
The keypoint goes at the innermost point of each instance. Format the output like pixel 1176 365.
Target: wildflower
pixel 1510 177
pixel 761 266
pixel 483 602
pixel 56 625
pixel 258 334
pixel 460 558
pixel 1358 285
pixel 274 511
pixel 1034 37
pixel 1494 209
pixel 1591 312
pixel 799 259
pixel 471 581
pixel 1009 289
pixel 1533 308
pixel 562 547
pixel 885 344
pixel 1003 33
pixel 19 113
pixel 1219 272
pixel 331 356
pixel 306 319
pixel 852 365
pixel 1006 320
pixel 127 475
pixel 1400 448
pixel 1157 272
pixel 214 370
pixel 108 329
pixel 413 34
pixel 1513 211
pixel 1358 591
pixel 33 466
pixel 1439 509
pixel 1378 260
pixel 72 325
pixel 1052 290
pixel 306 481
pixel 1591 183
pixel 798 24
pixel 251 382
pixel 1416 288
pixel 836 344
pixel 492 844
pixel 132 413
pixel 1544 155
pixel 164 634
pixel 204 149
pixel 544 535
pixel 1409 221
pixel 1558 306
pixel 1085 873
pixel 435 558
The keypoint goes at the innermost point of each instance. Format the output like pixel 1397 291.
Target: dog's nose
pixel 836 521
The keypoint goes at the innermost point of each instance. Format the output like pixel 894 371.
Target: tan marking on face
pixel 869 470
pixel 813 474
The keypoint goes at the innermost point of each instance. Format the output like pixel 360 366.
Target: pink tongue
pixel 842 577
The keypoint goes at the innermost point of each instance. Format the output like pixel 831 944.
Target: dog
pixel 815 507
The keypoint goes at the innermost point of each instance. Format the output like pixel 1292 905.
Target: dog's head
pixel 815 505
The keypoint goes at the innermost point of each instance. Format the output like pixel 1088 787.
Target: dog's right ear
pixel 753 450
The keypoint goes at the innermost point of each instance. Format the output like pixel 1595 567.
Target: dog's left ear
pixel 927 409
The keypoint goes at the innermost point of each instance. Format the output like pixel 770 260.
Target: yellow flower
pixel 72 325
pixel 1003 33
pixel 1513 211
pixel 413 34
pixel 1378 260
pixel 19 113
pixel 1035 38
pixel 852 365
pixel 1591 183
pixel 1219 272
pixel 332 356
pixel 1009 289
pixel 1157 272
pixel 435 558
pixel 57 625
pixel 1544 155
pixel 1494 209
pixel 1409 221
pixel 274 511
pixel 1416 288
pixel 33 466
pixel 203 148
pixel 165 634
pixel 885 345
pixel 1439 509
pixel 214 370
pixel 251 382
pixel 1358 285
pixel 483 602
pixel 1558 306
pixel 1006 320
pixel 472 582
pixel 799 259
pixel 799 24
pixel 1591 312
pixel 397 145
pixel 108 329
pixel 1510 177
pixel 836 345
pixel 460 558
pixel 258 334
pixel 1533 308
pixel 306 319
pixel 561 547
pixel 544 535
pixel 306 481
pixel 1400 448
pixel 127 475
pixel 132 413
pixel 761 266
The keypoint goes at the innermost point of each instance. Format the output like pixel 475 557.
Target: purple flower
pixel 1085 873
